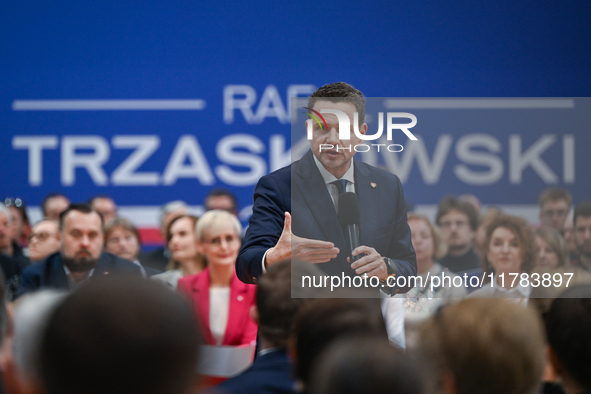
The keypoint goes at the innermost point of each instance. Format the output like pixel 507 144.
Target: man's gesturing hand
pixel 290 246
pixel 372 262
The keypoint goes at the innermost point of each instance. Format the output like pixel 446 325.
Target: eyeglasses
pixel 457 223
pixel 551 213
pixel 39 236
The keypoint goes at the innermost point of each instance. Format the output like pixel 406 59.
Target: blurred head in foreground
pixel 365 366
pixel 322 321
pixel 568 327
pixel 484 346
pixel 125 335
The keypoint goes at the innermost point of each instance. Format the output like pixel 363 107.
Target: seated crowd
pixel 84 310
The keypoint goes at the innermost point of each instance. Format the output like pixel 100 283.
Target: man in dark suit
pixel 309 191
pixel 80 257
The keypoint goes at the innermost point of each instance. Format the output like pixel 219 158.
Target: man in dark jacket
pixel 80 257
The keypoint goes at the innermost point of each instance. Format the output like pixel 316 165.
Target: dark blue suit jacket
pixel 49 273
pixel 383 224
pixel 270 373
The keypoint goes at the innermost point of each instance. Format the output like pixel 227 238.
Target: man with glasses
pixel 458 221
pixel 554 208
pixel 44 239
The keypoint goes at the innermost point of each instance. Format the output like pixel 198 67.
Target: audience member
pixel 458 221
pixel 222 302
pixel 552 251
pixel 184 254
pixel 44 239
pixel 159 258
pixel 582 228
pixel 53 205
pixel 433 291
pixel 554 206
pixel 80 257
pixel 568 329
pixel 483 346
pixel 13 260
pixel 221 199
pixel 484 220
pixel 20 220
pixel 274 314
pixel 122 239
pixel 105 206
pixel 365 366
pixel 125 335
pixel 322 321
pixel 509 251
pixel 569 238
pixel 21 369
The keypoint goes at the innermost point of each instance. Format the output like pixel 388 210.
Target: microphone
pixel 349 217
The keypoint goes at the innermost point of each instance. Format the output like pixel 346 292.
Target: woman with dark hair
pixel 184 254
pixel 509 252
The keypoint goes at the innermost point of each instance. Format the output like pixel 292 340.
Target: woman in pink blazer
pixel 221 301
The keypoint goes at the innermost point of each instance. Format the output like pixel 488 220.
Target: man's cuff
pixel 264 270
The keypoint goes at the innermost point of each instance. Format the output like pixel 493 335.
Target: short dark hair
pixel 222 193
pixel 582 209
pixel 124 224
pixel 276 307
pixel 568 328
pixel 365 365
pixel 49 197
pixel 555 194
pixel 121 335
pixel 323 320
pixel 84 208
pixel 451 203
pixel 337 93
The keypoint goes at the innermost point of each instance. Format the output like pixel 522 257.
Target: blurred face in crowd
pixel 553 214
pixel 183 244
pixel 457 232
pixel 225 203
pixel 106 207
pixel 123 243
pixel 569 235
pixel 583 236
pixel 18 224
pixel 504 251
pixel 5 231
pixel 44 240
pixel 423 243
pixel 81 240
pixel 55 206
pixel 169 217
pixel 337 162
pixel 220 244
pixel 547 257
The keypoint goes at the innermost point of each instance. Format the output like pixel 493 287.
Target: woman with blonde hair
pixel 552 251
pixel 221 301
pixel 184 254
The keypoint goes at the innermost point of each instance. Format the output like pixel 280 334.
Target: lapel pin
pixel 373 184
pixel 240 298
pixel 106 273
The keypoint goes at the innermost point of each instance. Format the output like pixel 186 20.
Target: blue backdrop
pixel 236 65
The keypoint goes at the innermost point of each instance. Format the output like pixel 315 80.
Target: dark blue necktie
pixel 341 185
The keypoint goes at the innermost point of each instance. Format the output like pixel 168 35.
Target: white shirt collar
pixel 329 178
pixel 523 291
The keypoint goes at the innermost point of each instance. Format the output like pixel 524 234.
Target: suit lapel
pixel 236 310
pixel 56 276
pixel 312 188
pixel 367 193
pixel 201 302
